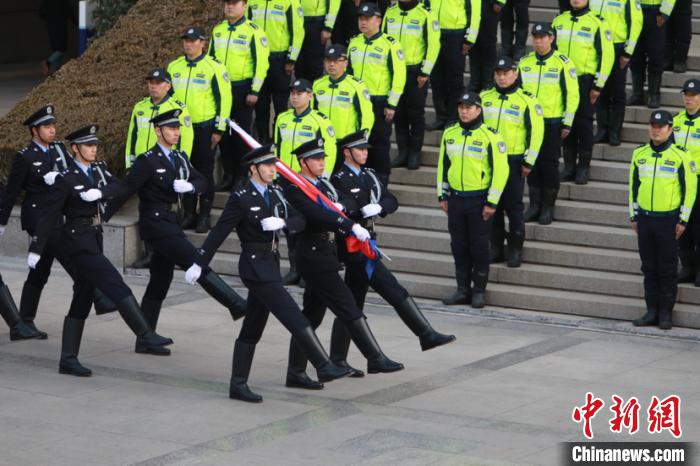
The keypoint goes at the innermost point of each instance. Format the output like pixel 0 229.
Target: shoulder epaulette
pixel 681 148
pixel 493 130
pixel 240 192
pixel 390 39
pixel 564 58
pixel 528 93
pixel 252 25
pixel 180 103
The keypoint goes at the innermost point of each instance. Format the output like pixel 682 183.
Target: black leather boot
pixel 413 159
pixel 325 368
pixel 497 249
pixel 223 293
pixel 147 341
pixel 584 165
pixel 602 121
pixel 463 294
pixel 687 272
pixel 8 310
pixel 437 125
pixel 402 159
pixel 568 173
pixel 103 305
pixel 654 90
pixel 637 97
pixel 28 304
pixel 666 303
pixel 549 198
pixel 479 290
pixel 340 345
pixel 617 117
pixel 292 276
pixel 533 211
pixel 515 248
pixel 296 369
pixel 652 315
pixel 242 361
pixel 377 361
pixel 189 212
pixel 204 216
pixel 414 319
pixel 70 346
pixel 150 308
pixel 144 261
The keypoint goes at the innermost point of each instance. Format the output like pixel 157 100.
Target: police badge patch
pixel 538 109
pixel 502 147
pixel 436 25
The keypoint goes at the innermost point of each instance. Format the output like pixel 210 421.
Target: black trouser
pixel 310 63
pixel 409 120
pixel 611 102
pixel 275 89
pixel 515 13
pixel 581 137
pixel 168 252
pixel 447 78
pixel 512 200
pixel 232 145
pixel 649 52
pixel 38 276
pixel 382 281
pixel 658 250
pixel 203 157
pixel 483 54
pixel 689 242
pixel 380 139
pixel 545 173
pixel 469 237
pixel 679 31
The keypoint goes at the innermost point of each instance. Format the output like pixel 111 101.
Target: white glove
pixel 183 186
pixel 361 232
pixel 370 210
pixel 50 178
pixel 2 230
pixel 193 273
pixel 339 206
pixel 91 195
pixel 32 260
pixel 272 223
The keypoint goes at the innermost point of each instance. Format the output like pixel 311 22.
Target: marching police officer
pixel 586 39
pixel 625 21
pixel 378 60
pixel 366 199
pixel 319 266
pixel 482 55
pixel 662 187
pixel 551 77
pixel 162 176
pixel 648 56
pixel 517 116
pixel 679 32
pixel 81 240
pixel 319 20
pixel 686 131
pixel 283 23
pixel 242 47
pixel 471 176
pixel 514 13
pixel 258 212
pixel 418 32
pixel 459 27
pixel 202 84
pixel 341 97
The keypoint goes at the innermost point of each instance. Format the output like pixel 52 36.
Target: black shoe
pixel 437 125
pixel 686 275
pixel 70 346
pixel 296 369
pixel 497 253
pixel 377 361
pixel 401 160
pixel 242 361
pixel 8 310
pixel 218 289
pixel 340 345
pixel 28 305
pixel 204 216
pixel 354 373
pixel 103 305
pixel 654 90
pixel 680 67
pixel 302 381
pixel 292 276
pixel 463 294
pixel 189 212
pixel 637 97
pixel 568 173
pixel 144 261
pixel 150 308
pixel 478 299
pixel 147 341
pixel 413 160
pixel 583 168
pixel 311 348
pixel 515 249
pixel 601 136
pixel 614 139
pixel 415 320
pixel 666 303
pixel 650 318
pixel 549 198
pixel 533 211
pixel 41 335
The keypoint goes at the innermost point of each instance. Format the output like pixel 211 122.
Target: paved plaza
pixel 503 393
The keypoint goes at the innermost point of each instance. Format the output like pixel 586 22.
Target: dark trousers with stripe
pixel 658 249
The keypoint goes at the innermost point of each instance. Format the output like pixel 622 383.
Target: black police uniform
pixel 152 175
pixel 483 54
pixel 319 266
pixel 81 241
pixel 651 46
pixel 259 268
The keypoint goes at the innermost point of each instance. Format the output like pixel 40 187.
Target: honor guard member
pixel 587 40
pixel 34 171
pixel 343 98
pixel 686 131
pixel 258 212
pixel 551 77
pixel 202 84
pixel 378 60
pixel 81 240
pixel 283 23
pixel 514 13
pixel 319 266
pixel 242 47
pixel 459 27
pixel 648 56
pixel 517 116
pixel 319 20
pixel 482 56
pixel 162 176
pixel 679 32
pixel 625 21
pixel 662 187
pixel 471 176
pixel 418 32
pixel 367 198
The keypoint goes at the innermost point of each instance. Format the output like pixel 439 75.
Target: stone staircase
pixel 585 263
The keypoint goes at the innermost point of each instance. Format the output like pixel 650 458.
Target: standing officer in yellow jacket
pixel 686 131
pixel 418 31
pixel 471 175
pixel 202 84
pixel 662 187
pixel 241 46
pixel 378 60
